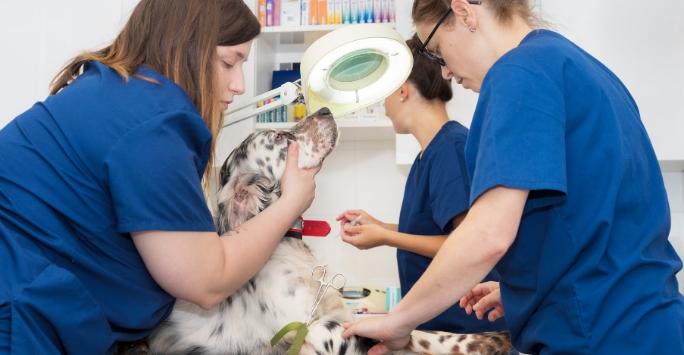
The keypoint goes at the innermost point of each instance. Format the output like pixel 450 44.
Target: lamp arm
pixel 288 93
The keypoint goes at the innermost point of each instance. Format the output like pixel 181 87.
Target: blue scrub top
pixel 591 270
pixel 78 173
pixel 437 191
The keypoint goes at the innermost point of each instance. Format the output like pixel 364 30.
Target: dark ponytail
pixel 426 75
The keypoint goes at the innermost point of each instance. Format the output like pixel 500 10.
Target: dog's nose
pixel 324 112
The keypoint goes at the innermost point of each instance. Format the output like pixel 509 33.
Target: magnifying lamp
pixel 345 70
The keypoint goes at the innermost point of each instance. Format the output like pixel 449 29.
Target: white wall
pixel 643 43
pixel 38 36
pixel 359 174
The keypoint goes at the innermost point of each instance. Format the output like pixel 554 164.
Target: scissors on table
pixel 318 275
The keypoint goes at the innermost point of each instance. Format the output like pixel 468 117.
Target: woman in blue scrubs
pixel 103 219
pixel 567 198
pixel 436 193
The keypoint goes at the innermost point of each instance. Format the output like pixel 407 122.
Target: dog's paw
pixel 325 337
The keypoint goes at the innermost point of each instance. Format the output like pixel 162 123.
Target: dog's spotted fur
pixel 283 290
pixel 433 342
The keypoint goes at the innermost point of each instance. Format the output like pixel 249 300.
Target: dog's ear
pixel 243 197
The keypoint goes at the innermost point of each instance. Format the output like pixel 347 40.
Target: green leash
pixel 318 275
pixel 298 341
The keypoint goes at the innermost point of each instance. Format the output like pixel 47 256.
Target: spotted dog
pixel 283 290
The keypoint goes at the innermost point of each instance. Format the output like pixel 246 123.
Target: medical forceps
pixel 318 275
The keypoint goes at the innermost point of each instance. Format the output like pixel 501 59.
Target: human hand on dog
pixel 391 334
pixel 297 185
pixel 484 297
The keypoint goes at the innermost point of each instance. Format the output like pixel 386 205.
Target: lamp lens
pixel 356 65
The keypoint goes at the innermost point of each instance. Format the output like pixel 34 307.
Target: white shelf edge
pixel 273 125
pixel 351 129
pixel 377 122
pixel 380 122
pixel 313 28
pixel 671 165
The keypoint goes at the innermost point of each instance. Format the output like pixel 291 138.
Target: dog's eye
pixel 279 138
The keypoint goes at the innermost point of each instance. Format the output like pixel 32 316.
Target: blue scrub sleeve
pixel 155 174
pixel 521 136
pixel 448 187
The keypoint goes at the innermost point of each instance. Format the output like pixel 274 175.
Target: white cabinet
pixel 643 43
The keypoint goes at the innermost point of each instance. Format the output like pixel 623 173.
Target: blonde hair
pixel 178 39
pixel 504 11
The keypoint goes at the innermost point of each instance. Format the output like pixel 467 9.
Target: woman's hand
pixel 350 215
pixel 365 236
pixel 367 232
pixel 391 334
pixel 297 185
pixel 482 298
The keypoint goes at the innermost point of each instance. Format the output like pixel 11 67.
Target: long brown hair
pixel 431 11
pixel 178 39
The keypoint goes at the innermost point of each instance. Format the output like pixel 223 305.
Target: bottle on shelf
pixel 293 13
pixel 262 12
pixel 269 12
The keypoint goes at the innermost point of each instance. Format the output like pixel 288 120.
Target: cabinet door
pixel 643 43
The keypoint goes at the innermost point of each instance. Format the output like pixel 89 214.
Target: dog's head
pixel 249 180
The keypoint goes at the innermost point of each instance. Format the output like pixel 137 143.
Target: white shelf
pixel 311 28
pixel 376 122
pixel 290 29
pixel 356 129
pixel 671 165
pixel 274 125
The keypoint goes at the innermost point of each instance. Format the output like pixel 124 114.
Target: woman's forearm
pixel 427 245
pixel 419 244
pixel 466 257
pixel 456 268
pixel 390 227
pixel 204 269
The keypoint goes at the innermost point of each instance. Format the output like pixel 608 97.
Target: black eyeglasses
pixel 423 49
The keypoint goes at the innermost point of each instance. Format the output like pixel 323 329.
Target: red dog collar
pixel 308 228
